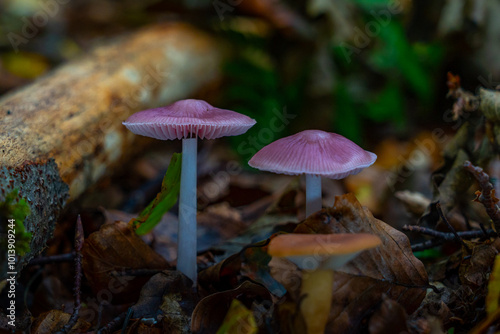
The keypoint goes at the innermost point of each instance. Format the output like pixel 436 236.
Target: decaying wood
pixel 60 134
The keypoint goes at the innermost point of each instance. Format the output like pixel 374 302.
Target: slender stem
pixel 186 246
pixel 313 194
pixel 317 286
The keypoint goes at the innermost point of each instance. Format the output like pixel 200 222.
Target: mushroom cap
pixel 324 251
pixel 313 152
pixel 188 119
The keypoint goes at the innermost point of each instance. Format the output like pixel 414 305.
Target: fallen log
pixel 62 133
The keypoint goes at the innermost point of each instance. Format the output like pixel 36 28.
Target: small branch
pixel 487 194
pixel 130 313
pixel 136 272
pixel 443 217
pixel 115 323
pixel 52 259
pixel 427 245
pixel 441 237
pixel 79 238
pixel 448 236
pixel 99 317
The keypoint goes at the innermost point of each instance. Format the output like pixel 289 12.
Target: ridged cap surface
pixel 313 152
pixel 188 119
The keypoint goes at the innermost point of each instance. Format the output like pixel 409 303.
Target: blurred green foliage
pixel 255 87
pixel 380 81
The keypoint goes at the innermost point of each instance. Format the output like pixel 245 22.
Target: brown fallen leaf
pixel 178 302
pixel 108 253
pixel 476 268
pixel 434 306
pixel 165 304
pixel 54 320
pixel 210 312
pixel 154 294
pixel 450 183
pixel 390 317
pixel 389 269
pixel 460 302
pixel 148 329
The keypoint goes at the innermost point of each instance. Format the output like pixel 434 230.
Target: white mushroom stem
pixel 186 242
pixel 313 194
pixel 317 287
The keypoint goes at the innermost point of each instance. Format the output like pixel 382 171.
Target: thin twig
pixel 115 323
pixel 79 238
pixel 52 259
pixel 441 237
pixel 443 217
pixel 130 312
pixel 481 226
pixel 427 245
pixel 487 194
pixel 448 236
pixel 99 316
pixel 136 272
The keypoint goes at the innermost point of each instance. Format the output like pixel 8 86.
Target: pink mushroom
pixel 314 153
pixel 188 120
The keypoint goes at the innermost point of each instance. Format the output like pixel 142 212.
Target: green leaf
pixel 432 253
pixel 164 201
pixel 238 319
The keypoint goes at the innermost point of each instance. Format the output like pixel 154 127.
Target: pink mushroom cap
pixel 313 152
pixel 188 119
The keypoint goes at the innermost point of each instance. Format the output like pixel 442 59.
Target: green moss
pixel 16 208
